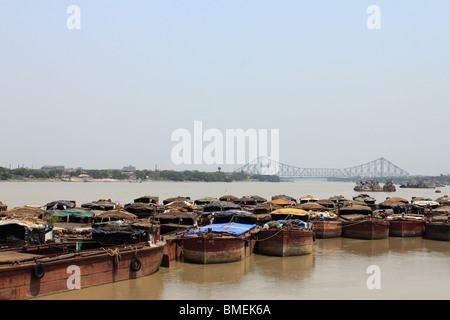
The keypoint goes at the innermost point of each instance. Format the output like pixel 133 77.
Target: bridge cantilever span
pixel 379 168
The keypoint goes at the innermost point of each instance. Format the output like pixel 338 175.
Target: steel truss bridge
pixel 379 168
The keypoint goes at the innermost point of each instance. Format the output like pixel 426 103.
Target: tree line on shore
pixel 163 175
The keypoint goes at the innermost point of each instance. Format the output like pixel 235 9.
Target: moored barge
pixel 222 242
pixel 118 250
pixel 359 223
pixel 37 270
pixel 325 229
pixel 285 240
pixel 438 230
pixel 289 234
pixel 406 225
pixel 219 243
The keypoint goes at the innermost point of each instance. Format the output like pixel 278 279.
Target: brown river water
pixel 340 268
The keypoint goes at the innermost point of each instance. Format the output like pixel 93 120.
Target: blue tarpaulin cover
pixel 232 228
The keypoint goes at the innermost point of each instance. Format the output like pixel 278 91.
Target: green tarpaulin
pixel 78 213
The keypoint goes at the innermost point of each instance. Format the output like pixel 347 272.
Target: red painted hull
pixel 406 228
pixel 78 270
pixel 327 229
pixel 366 229
pixel 437 231
pixel 285 242
pixel 216 248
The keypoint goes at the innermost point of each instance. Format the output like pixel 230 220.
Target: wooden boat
pixel 221 242
pixel 288 234
pixel 406 225
pixel 359 223
pixel 50 268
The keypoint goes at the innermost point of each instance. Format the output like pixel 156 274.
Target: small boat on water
pixel 359 222
pixel 419 184
pixel 288 234
pixel 230 237
pixel 367 186
pixel 36 270
pixel 389 186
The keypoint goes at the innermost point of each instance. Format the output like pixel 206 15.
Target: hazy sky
pixel 112 92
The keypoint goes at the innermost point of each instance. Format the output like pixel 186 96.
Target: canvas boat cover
pixel 32 231
pixel 293 211
pixel 231 228
pixel 424 203
pixel 205 200
pixel 221 206
pixel 234 216
pixel 78 213
pixel 281 202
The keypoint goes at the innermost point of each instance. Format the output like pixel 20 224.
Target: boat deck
pixel 11 256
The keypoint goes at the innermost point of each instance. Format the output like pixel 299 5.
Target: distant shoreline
pixel 125 181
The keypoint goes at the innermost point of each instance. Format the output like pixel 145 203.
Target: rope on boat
pixel 135 249
pixel 114 253
pixel 276 233
pixel 352 224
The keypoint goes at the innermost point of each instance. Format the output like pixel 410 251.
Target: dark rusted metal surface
pixel 366 229
pixel 437 231
pixel 78 270
pixel 406 228
pixel 217 248
pixel 285 242
pixel 327 229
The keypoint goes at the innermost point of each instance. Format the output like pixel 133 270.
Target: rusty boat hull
pixel 217 248
pixel 285 242
pixel 370 229
pixel 406 227
pixel 327 229
pixel 32 271
pixel 437 231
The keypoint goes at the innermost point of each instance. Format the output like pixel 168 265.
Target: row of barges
pixel 60 246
